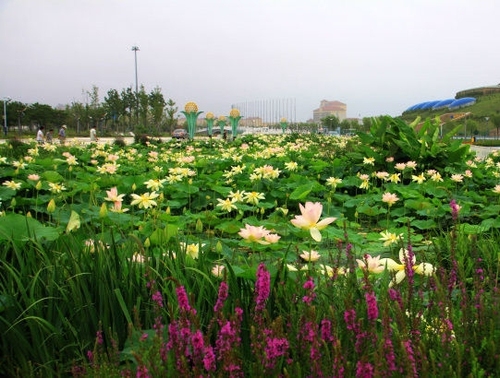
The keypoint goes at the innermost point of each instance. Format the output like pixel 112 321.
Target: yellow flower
pixel 210 115
pixel 457 177
pixel 395 177
pixel 155 184
pixel 404 257
pixel 309 219
pixel 192 250
pixel 145 200
pixel 253 197
pixel 238 196
pixel 369 161
pixel 56 188
pixel 333 181
pixel 12 185
pixel 234 113
pixel 496 189
pixel 291 166
pixel 389 238
pixel 418 179
pixel 227 204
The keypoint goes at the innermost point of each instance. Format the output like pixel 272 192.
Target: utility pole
pixel 135 49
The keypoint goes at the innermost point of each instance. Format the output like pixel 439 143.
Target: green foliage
pixel 394 138
pixel 85 265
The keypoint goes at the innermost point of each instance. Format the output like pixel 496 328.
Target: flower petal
pixel 315 234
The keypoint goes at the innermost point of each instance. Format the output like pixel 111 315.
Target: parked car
pixel 180 134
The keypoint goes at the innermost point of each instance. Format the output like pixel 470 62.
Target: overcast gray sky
pixel 377 56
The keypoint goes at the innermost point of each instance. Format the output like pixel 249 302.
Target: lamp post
pixel 135 49
pixel 5 101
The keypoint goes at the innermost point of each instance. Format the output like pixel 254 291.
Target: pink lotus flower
pixel 309 220
pixel 258 235
pixel 371 264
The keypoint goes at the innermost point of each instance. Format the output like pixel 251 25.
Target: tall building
pixel 327 108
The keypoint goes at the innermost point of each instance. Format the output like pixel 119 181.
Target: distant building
pixel 329 108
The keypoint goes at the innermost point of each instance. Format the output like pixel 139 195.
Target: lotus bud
pixel 199 226
pixel 103 212
pixel 147 243
pixel 262 210
pixel 51 207
pixel 13 202
pixel 38 185
pixel 168 210
pixel 134 187
pixel 218 247
pixel 28 215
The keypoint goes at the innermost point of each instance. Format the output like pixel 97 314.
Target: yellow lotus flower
pixel 389 238
pixel 422 268
pixel 145 200
pixel 227 204
pixel 12 185
pixel 309 219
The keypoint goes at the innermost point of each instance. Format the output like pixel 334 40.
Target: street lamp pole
pixel 5 101
pixel 135 49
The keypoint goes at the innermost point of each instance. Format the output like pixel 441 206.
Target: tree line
pixel 120 112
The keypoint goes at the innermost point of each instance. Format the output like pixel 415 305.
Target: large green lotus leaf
pixel 20 229
pixel 53 176
pixel 163 235
pixel 301 192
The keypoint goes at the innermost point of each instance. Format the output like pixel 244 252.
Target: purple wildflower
pixel 371 304
pixel 221 297
pixel 182 298
pixel 262 287
pixel 364 370
pixel 158 298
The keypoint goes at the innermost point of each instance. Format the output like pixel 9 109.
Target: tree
pixel 157 104
pixel 171 110
pixel 495 119
pixel 330 122
pixel 115 107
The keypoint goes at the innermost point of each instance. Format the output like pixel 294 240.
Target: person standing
pixel 93 134
pixel 62 134
pixel 39 135
pixel 49 136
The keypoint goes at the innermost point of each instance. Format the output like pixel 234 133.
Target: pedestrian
pixel 62 134
pixel 224 135
pixel 93 134
pixel 49 136
pixel 39 135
